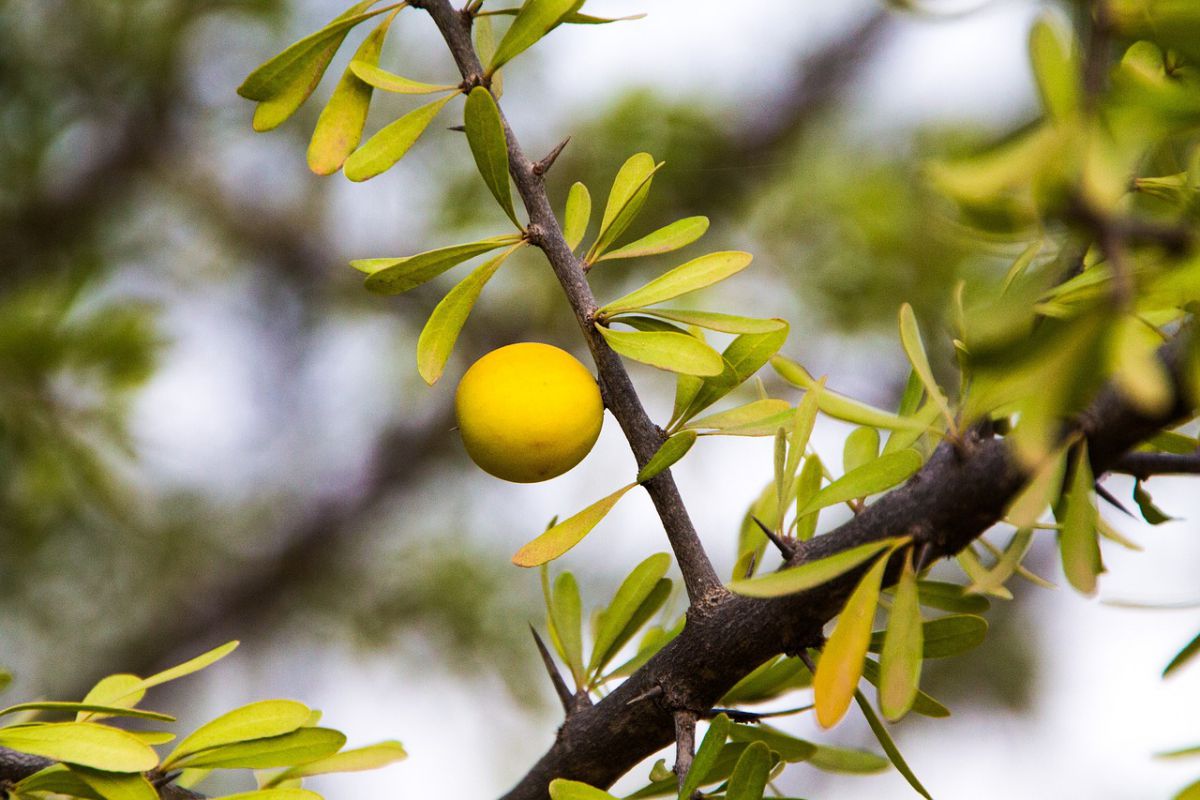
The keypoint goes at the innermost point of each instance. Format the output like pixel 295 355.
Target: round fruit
pixel 528 412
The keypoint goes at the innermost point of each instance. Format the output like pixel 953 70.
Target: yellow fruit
pixel 528 412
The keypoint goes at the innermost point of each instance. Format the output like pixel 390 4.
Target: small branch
pixel 565 695
pixel 685 744
pixel 1146 465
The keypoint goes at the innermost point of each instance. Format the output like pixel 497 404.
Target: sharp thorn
pixel 560 686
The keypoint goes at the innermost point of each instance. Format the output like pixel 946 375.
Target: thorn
pixel 165 778
pixel 785 547
pixel 543 166
pixel 560 686
pixel 1107 496
pixel 459 128
pixel 738 715
pixel 653 691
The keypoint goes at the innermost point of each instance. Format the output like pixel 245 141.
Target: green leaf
pixel 1145 503
pixel 675 352
pixel 860 448
pixel 950 597
pixel 370 73
pixel 889 746
pixel 108 711
pixel 437 338
pixel 804 419
pixel 839 669
pixel 259 720
pixel 397 275
pixel 1055 66
pixel 634 590
pixel 706 755
pixel 751 413
pixel 677 235
pixel 535 19
pixel 282 84
pixel 749 778
pixel 339 128
pixel 1189 792
pixel 562 537
pixel 810 574
pixel 485 135
pixel 289 793
pixel 1006 565
pixel 1043 486
pixel 724 323
pixel 910 337
pixel 673 449
pixel 115 786
pixel 945 636
pixel 744 356
pixel 900 664
pixel 298 747
pixel 807 486
pixel 578 214
pixel 1183 656
pixel 83 743
pixel 839 406
pixel 625 199
pixel 196 664
pixel 923 704
pixel 767 681
pixel 881 474
pixel 565 614
pixel 121 691
pixel 357 760
pixel 695 274
pixel 154 737
pixel 6 678
pixel 562 789
pixel 1078 540
pixel 847 760
pixel 789 748
pixel 390 144
pixel 576 18
pixel 56 779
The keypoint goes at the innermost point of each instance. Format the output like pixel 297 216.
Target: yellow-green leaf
pixel 339 128
pixel 259 720
pixel 298 747
pixel 724 323
pixel 923 704
pixel 563 789
pixel 677 235
pixel 445 323
pixel 889 746
pixel 695 274
pixel 485 135
pixel 562 537
pixel 881 474
pixel 839 406
pixel 744 356
pixel 751 773
pixel 122 690
pixel 751 413
pixel 56 779
pixel 1078 540
pixel 810 574
pixel 900 662
pixel 1055 66
pixel 675 352
pixel 357 760
pixel 625 199
pixel 634 590
pixel 860 448
pixel 565 617
pixel 673 449
pixel 578 214
pixel 117 786
pixel 397 275
pixel 371 74
pixel 83 708
pixel 706 755
pixel 1043 486
pixel 910 338
pixel 535 19
pixel 83 743
pixel 390 144
pixel 288 793
pixel 841 663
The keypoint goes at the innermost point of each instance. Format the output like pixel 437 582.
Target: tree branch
pixel 703 586
pixel 16 766
pixel 1146 465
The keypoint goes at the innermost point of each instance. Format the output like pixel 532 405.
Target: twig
pixel 685 744
pixel 1146 465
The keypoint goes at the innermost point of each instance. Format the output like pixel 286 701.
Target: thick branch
pixel 703 586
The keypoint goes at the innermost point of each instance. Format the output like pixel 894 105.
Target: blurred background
pixel 208 430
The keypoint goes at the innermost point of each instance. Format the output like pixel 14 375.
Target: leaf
pixel 1189 792
pixel 289 793
pixel 1055 66
pixel 860 448
pixel 749 778
pixel 689 277
pixel 1078 540
pixel 1183 656
pixel 562 537
pixel 55 779
pixel 630 188
pixel 108 711
pixel 83 743
pixel 744 356
pixel 748 414
pixel 115 786
pixel 259 720
pixel 441 331
pixel 390 144
pixel 889 746
pixel 725 323
pixel 789 748
pixel 839 406
pixel 339 128
pixel 881 474
pixel 397 275
pixel 945 636
pixel 677 235
pixel 566 619
pixel 803 421
pixel 910 337
pixel 839 669
pixel 562 789
pixel 900 664
pixel 1043 486
pixel 578 214
pixel 1145 503
pixel 485 135
pixel 706 755
pixel 634 591
pixel 535 19
pixel 370 73
pixel 298 747
pixel 807 486
pixel 1006 565
pixel 121 691
pixel 810 574
pixel 357 760
pixel 847 760
pixel 154 737
pixel 673 449
pixel 923 705
pixel 675 352
pixel 950 597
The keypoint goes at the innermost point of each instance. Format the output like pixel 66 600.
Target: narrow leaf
pixel 254 721
pixel 281 793
pixel 562 537
pixel 749 778
pixel 839 406
pixel 397 275
pixel 724 323
pixel 1078 539
pixel 889 746
pixel 371 74
pixel 1055 67
pixel 115 691
pixel 695 274
pixel 839 669
pixel 677 235
pixel 950 597
pixel 630 188
pixel 910 338
pixel 923 704
pixel 83 743
pixel 298 747
pixel 881 474
pixel 748 414
pixel 116 786
pixel 860 448
pixel 562 789
pixel 810 574
pixel 706 755
pixel 535 19
pixel 566 615
pixel 390 144
pixel 945 637
pixel 847 760
pixel 108 711
pixel 1183 656
pixel 357 760
pixel 485 135
pixel 57 779
pixel 900 663
pixel 673 449
pixel 632 593
pixel 675 352
pixel 1043 486
pixel 744 356
pixel 578 214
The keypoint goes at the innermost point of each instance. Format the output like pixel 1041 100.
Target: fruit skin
pixel 528 412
